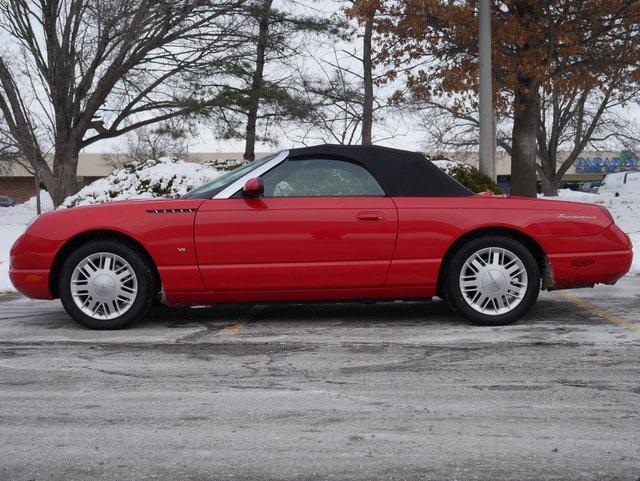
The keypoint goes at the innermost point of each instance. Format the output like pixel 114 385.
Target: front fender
pixel 164 228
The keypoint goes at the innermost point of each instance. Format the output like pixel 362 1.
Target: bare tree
pixel 80 71
pixel 10 157
pixel 568 123
pixel 11 160
pixel 451 124
pixel 337 98
pixel 582 118
pixel 347 95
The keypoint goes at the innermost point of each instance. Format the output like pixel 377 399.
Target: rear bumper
pixel 606 258
pixel 587 268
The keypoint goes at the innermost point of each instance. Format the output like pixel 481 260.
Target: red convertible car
pixel 326 223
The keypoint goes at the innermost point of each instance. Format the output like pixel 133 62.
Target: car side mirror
pixel 253 188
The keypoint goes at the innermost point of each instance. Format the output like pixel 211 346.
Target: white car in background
pixel 621 183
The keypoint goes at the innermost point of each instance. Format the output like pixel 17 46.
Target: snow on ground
pixel 13 222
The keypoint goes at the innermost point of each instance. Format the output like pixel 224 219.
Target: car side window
pixel 320 178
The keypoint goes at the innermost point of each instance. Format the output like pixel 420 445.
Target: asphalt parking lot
pixel 305 392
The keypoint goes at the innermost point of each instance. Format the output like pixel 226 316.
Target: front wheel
pixel 106 285
pixel 492 281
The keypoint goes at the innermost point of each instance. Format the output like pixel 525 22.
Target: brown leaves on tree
pixel 574 43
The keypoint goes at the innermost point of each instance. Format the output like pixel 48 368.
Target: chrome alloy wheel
pixel 493 281
pixel 104 286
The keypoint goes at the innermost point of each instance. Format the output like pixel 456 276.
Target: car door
pixel 321 223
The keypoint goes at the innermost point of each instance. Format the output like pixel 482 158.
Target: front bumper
pixel 33 283
pixel 29 268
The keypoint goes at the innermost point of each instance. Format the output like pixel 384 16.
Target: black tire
pixel 456 299
pixel 146 284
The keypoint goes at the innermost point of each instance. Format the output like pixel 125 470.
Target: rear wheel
pixel 492 281
pixel 106 285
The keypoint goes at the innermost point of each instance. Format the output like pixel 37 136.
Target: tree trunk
pixel 550 185
pixel 36 184
pixel 525 123
pixel 549 173
pixel 65 168
pixel 257 82
pixel 367 64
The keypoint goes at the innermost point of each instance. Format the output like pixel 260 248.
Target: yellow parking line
pixel 596 311
pixel 232 328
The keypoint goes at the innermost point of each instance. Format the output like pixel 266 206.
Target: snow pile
pixel 226 164
pixel 625 209
pixel 13 222
pixel 153 178
pixel 448 166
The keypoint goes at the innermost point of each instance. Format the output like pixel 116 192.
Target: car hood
pixel 158 203
pixel 127 217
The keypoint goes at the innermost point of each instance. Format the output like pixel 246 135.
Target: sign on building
pixel 605 165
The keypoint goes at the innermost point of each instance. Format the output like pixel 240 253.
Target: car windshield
pixel 217 185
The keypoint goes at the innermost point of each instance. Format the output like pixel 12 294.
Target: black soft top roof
pixel 400 173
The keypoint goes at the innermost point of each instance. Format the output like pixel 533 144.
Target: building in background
pixel 589 167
